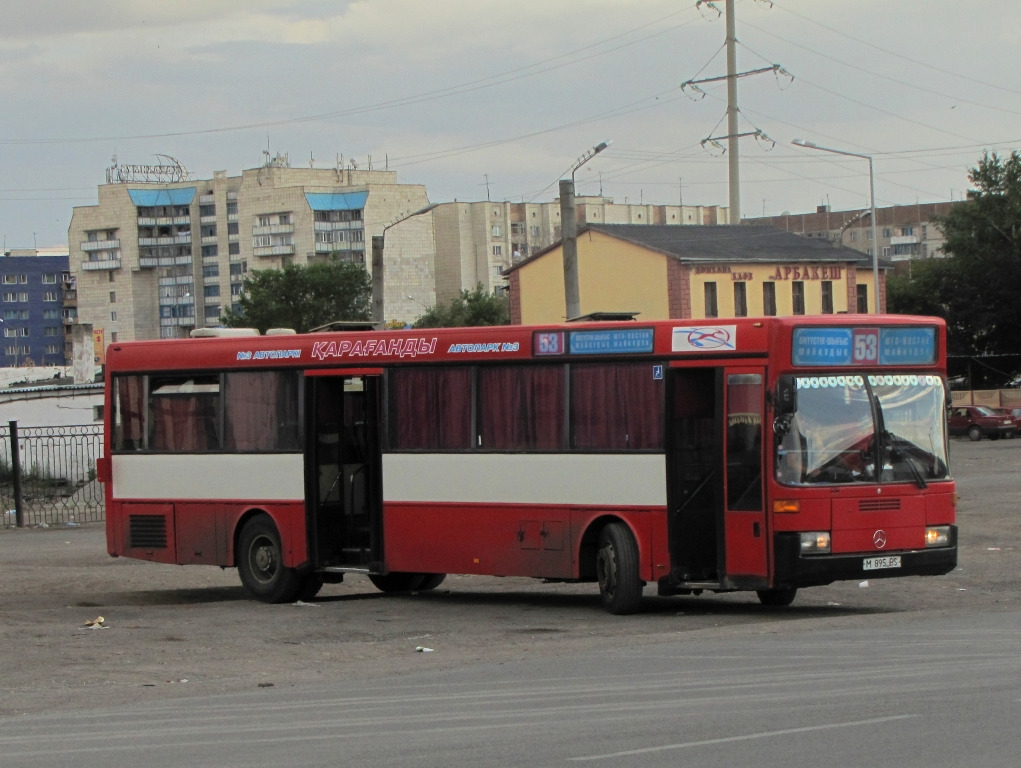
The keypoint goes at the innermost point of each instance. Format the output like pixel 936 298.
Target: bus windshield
pixel 865 428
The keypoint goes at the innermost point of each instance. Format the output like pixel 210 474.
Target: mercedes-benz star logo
pixel 879 539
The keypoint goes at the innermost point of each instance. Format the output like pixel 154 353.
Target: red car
pixel 978 421
pixel 1012 413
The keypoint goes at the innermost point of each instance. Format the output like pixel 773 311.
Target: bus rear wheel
pixel 777 598
pixel 620 588
pixel 261 563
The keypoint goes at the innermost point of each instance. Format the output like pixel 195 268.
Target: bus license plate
pixel 878 563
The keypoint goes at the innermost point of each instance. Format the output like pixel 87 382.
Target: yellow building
pixel 666 272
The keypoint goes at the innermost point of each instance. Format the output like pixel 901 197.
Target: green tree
pixel 977 288
pixel 303 297
pixel 475 307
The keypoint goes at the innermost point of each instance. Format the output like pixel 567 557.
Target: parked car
pixel 978 421
pixel 1013 414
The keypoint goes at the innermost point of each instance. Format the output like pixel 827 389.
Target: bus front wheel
pixel 261 563
pixel 620 588
pixel 777 598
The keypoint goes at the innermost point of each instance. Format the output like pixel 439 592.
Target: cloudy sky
pixel 482 99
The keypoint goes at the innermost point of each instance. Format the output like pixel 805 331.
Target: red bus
pixel 763 454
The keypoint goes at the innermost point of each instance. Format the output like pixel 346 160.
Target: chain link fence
pixel 53 471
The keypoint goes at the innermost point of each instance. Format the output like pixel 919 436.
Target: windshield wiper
pixel 904 457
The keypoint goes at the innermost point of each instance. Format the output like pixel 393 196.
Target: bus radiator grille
pixel 879 505
pixel 148 531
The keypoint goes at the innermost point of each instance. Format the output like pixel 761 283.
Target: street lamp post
pixel 872 204
pixel 377 263
pixel 569 234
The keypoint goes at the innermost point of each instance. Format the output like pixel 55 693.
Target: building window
pixel 769 299
pixel 863 298
pixel 498 250
pixel 827 297
pixel 798 297
pixel 113 297
pixel 740 299
pixel 853 236
pixel 232 248
pixel 886 232
pixel 113 317
pixel 50 279
pixel 497 230
pixel 711 309
pixel 48 296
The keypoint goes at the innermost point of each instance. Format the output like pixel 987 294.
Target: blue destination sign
pixel 611 342
pixel 864 346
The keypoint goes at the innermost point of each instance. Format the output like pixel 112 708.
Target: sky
pixel 478 99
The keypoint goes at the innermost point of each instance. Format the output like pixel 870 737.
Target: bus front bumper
pixel 796 570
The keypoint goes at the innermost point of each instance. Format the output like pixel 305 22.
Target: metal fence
pixel 48 475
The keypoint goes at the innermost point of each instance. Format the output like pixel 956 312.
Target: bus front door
pixel 716 522
pixel 344 497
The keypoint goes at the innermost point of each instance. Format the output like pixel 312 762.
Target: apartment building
pixel 161 254
pixel 157 258
pixel 904 231
pixel 37 308
pixel 477 242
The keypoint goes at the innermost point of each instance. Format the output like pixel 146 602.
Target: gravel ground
pixel 179 631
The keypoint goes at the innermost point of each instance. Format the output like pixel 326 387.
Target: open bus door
pixel 716 518
pixel 343 466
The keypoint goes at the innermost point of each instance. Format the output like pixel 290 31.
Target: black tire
pixel 975 434
pixel 310 586
pixel 397 581
pixel 261 563
pixel 620 588
pixel 431 581
pixel 777 598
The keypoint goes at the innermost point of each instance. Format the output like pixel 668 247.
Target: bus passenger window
pixel 183 413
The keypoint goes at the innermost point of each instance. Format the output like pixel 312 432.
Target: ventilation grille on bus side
pixel 878 505
pixel 148 531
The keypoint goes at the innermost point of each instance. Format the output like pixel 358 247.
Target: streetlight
pixel 872 204
pixel 569 233
pixel 377 263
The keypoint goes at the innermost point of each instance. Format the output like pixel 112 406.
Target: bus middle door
pixel 344 498
pixel 716 519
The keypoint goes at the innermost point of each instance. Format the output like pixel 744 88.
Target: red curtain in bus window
pixel 261 411
pixel 521 408
pixel 130 413
pixel 183 422
pixel 616 407
pixel 430 408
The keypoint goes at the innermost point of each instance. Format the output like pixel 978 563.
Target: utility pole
pixel 569 234
pixel 733 133
pixel 734 166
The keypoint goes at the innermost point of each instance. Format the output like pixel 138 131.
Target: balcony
pixel 208 219
pixel 100 245
pixel 207 199
pixel 93 266
pixel 210 240
pixel 275 229
pixel 274 250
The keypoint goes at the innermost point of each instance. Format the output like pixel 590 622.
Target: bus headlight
pixel 815 542
pixel 937 536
